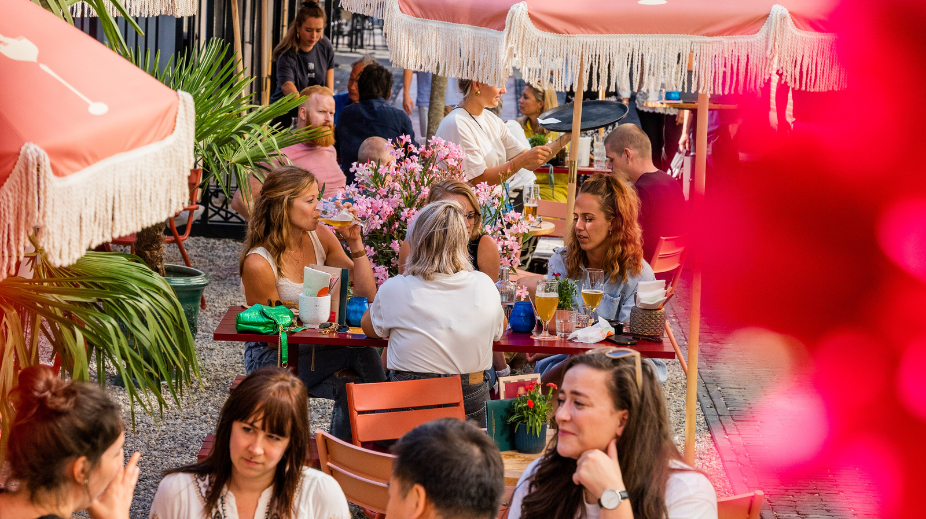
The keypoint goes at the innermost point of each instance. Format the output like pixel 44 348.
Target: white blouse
pixel 485 140
pixel 183 496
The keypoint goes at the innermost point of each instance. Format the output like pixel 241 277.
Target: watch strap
pixel 621 494
pixel 359 254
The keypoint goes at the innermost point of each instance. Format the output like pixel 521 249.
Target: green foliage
pixel 533 408
pixel 234 137
pixel 567 290
pixel 61 9
pixel 107 308
pixel 537 140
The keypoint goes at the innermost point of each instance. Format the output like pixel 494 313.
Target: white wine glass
pixel 593 291
pixel 531 195
pixel 546 301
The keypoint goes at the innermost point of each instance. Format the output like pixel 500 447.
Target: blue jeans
pixel 475 396
pixel 544 365
pixel 318 367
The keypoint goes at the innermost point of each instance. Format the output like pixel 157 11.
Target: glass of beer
pixel 333 215
pixel 531 197
pixel 593 291
pixel 546 301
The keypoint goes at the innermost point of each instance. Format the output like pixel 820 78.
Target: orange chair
pixel 743 506
pixel 363 474
pixel 670 255
pixel 196 176
pixel 388 410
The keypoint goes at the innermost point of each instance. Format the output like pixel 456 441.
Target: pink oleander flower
pixel 521 292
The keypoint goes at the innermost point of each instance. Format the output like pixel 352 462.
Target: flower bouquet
pixel 532 410
pixel 387 197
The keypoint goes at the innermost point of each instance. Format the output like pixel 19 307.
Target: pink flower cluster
pixel 506 228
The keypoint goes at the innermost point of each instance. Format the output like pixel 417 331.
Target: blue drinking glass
pixel 356 307
pixel 522 317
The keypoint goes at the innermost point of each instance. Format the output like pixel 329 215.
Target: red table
pixel 511 341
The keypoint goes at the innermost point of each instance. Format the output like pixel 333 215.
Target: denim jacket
pixel 618 297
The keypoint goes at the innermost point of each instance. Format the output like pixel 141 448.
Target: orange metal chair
pixel 670 255
pixel 196 176
pixel 743 506
pixel 388 410
pixel 363 474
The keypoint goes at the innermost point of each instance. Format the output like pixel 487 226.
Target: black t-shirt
pixel 304 69
pixel 663 209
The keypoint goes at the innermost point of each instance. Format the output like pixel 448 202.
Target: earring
pixel 87 481
pixel 478 93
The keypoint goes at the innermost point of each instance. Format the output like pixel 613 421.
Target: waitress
pixel 304 57
pixel 491 153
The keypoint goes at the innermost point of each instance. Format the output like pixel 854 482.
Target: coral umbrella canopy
pixel 91 147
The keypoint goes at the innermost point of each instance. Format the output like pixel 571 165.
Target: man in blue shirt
pixel 370 117
pixel 352 95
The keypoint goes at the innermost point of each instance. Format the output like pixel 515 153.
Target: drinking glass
pixel 581 317
pixel 565 322
pixel 333 215
pixel 531 195
pixel 593 291
pixel 546 300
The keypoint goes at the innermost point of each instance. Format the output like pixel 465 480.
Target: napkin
pixel 314 281
pixel 650 294
pixel 592 334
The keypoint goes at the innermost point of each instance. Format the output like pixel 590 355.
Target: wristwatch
pixel 610 499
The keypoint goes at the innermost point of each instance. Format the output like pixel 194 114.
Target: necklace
pixel 473 117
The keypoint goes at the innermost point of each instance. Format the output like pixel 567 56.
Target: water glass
pixel 582 317
pixel 565 322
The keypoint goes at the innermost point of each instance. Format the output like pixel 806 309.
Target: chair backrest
pixel 194 181
pixel 388 410
pixel 670 255
pixel 508 386
pixel 555 213
pixel 743 506
pixel 363 474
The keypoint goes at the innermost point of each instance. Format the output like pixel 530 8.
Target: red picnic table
pixel 510 341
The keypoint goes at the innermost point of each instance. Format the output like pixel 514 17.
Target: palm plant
pixel 107 308
pixel 234 136
pixel 62 9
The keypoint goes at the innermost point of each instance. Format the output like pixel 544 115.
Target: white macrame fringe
pixel 114 197
pixel 175 8
pixel 374 8
pixel 453 50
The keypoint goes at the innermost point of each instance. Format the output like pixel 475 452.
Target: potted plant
pixel 530 414
pixel 234 138
pixel 566 307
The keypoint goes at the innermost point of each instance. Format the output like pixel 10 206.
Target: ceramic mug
pixel 314 310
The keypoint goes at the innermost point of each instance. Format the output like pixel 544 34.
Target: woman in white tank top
pixel 284 237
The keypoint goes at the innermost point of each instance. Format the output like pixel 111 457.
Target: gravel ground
pixel 174 438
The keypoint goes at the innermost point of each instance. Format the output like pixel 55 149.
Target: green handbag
pixel 267 320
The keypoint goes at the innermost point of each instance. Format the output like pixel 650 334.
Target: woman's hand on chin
pixel 598 471
pixel 116 500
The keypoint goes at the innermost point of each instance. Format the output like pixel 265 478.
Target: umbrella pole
pixel 236 33
pixel 694 319
pixel 265 52
pixel 574 141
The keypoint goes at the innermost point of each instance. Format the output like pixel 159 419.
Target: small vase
pixel 356 307
pixel 528 442
pixel 522 317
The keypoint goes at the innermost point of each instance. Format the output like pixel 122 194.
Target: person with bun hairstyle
pixel 613 454
pixel 256 468
pixel 304 56
pixel 65 451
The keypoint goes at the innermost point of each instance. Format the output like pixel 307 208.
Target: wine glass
pixel 531 195
pixel 546 301
pixel 593 291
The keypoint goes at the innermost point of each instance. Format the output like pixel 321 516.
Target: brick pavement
pixel 732 379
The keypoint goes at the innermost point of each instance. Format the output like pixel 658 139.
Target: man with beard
pixel 317 156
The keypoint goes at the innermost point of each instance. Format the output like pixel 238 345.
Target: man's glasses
pixel 620 353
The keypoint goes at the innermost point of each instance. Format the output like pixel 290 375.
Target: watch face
pixel 610 499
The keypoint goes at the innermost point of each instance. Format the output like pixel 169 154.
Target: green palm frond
pixel 234 136
pixel 61 9
pixel 107 308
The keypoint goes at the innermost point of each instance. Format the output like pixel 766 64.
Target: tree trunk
pixel 149 246
pixel 436 106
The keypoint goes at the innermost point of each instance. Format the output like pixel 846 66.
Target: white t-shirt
pixel 446 325
pixel 689 495
pixel 183 495
pixel 485 140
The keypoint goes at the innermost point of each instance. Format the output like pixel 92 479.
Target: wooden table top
pixel 516 462
pixel 510 341
pixel 543 229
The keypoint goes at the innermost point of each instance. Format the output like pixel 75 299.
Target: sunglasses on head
pixel 621 353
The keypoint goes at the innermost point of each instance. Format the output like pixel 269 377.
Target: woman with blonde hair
pixel 257 464
pixel 613 454
pixel 483 252
pixel 283 237
pixel 533 102
pixel 441 317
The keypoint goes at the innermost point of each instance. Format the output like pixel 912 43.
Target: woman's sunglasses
pixel 621 353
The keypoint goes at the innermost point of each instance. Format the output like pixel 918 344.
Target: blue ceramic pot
pixel 528 442
pixel 522 317
pixel 356 307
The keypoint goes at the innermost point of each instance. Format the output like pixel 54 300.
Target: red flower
pixel 532 386
pixel 530 404
pixel 556 274
pixel 552 385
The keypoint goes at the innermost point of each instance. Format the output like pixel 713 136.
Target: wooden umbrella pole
pixel 694 319
pixel 574 140
pixel 285 17
pixel 265 52
pixel 236 33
